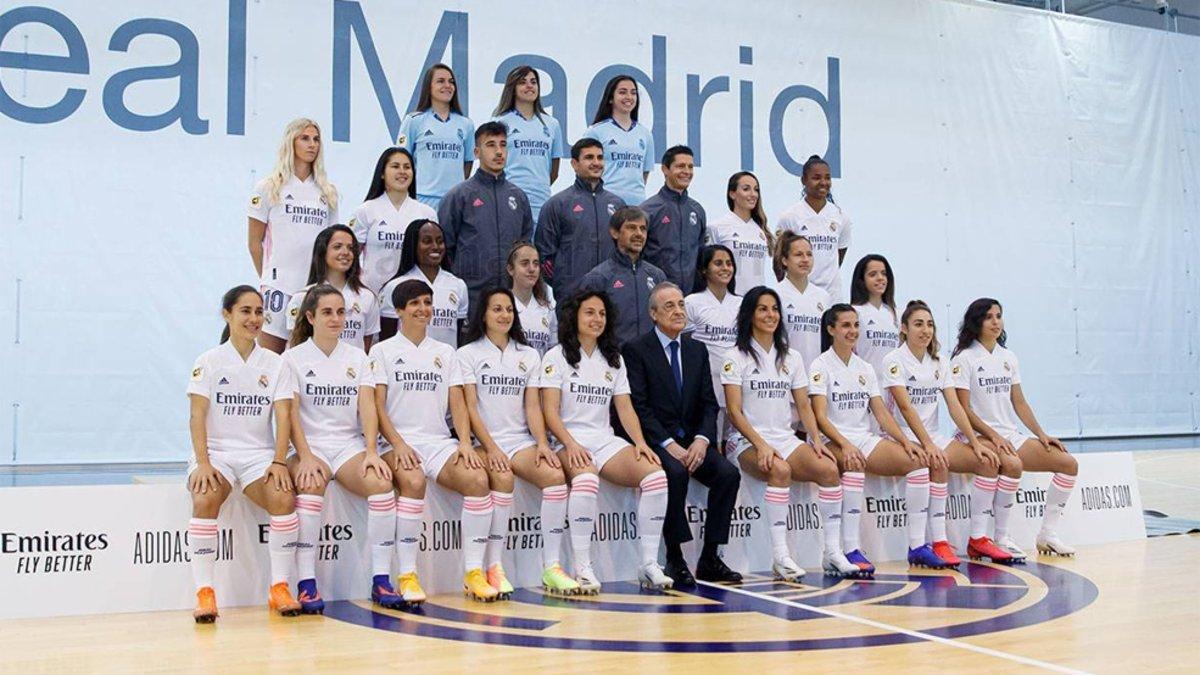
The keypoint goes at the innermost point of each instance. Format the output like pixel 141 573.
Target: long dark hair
pixel 378 187
pixel 477 326
pixel 318 269
pixel 972 321
pixel 604 111
pixel 783 248
pixel 425 100
pixel 304 328
pixel 408 247
pixel 912 307
pixel 829 320
pixel 745 325
pixel 539 289
pixel 703 259
pixel 813 161
pixel 508 95
pixel 568 329
pixel 859 295
pixel 229 300
pixel 758 215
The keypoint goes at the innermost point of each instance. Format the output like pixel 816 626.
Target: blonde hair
pixel 285 164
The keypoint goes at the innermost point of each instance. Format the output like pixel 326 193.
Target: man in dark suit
pixel 672 391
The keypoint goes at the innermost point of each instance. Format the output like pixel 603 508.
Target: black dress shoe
pixel 679 573
pixel 716 571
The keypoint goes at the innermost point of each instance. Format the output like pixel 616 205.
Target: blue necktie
pixel 675 369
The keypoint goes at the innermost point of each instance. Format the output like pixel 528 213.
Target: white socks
pixel 829 501
pixel 1057 494
pixel 281 543
pixel 983 494
pixel 581 507
pixel 852 500
pixel 476 521
pixel 501 508
pixel 381 531
pixel 776 507
pixel 554 517
pixel 937 511
pixel 202 544
pixel 1006 494
pixel 651 512
pixel 916 504
pixel 308 507
pixel 408 531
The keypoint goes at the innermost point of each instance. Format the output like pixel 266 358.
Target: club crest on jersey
pixel 641 144
pixel 460 134
pixel 477 203
pixel 356 308
pixel 895 369
pixel 862 380
pixel 546 321
pixel 323 200
pixel 351 374
pixel 512 202
pixel 437 362
pixel 255 200
pixel 650 283
pixel 267 318
pixel 816 378
pixel 549 369
pixel 197 373
pixel 728 367
pixel 402 139
pixel 820 307
pixel 833 227
pixel 692 218
pixel 612 208
pixel 224 380
pixel 937 374
pixel 784 369
pixel 521 366
pixel 294 312
pixel 956 370
pixel 608 376
pixel 263 381
pixel 453 298
pixel 354 220
pixel 1006 366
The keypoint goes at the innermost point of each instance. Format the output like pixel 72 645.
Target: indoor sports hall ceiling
pixel 1182 16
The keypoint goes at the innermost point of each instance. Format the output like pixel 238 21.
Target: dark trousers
pixel 722 480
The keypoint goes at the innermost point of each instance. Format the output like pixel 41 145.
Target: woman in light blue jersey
pixel 439 136
pixel 628 146
pixel 535 143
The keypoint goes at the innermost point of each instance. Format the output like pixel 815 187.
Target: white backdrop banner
pixel 1050 161
pixel 104 549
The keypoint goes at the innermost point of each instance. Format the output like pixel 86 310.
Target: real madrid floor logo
pixel 979 599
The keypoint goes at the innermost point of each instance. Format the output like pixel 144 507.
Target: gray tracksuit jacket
pixel 675 234
pixel 572 233
pixel 628 285
pixel 482 217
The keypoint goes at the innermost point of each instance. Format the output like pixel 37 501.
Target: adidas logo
pixel 980 369
pixel 804 228
pixel 486 366
pixel 912 378
pixel 400 361
pixel 514 131
pixel 382 223
pixel 310 374
pixel 791 306
pixel 288 198
pixel 574 375
pixel 754 372
pixel 578 208
pixel 612 141
pixel 618 284
pixel 428 132
pixel 735 234
pixel 223 381
pixel 836 383
pixel 870 322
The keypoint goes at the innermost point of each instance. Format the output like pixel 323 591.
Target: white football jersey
pixel 241 396
pixel 848 388
pixel 989 377
pixel 540 323
pixel 828 232
pixel 586 390
pixel 293 223
pixel 500 379
pixel 418 380
pixel 878 334
pixel 923 379
pixel 449 303
pixel 802 313
pixel 327 391
pixel 379 227
pixel 767 399
pixel 362 314
pixel 751 254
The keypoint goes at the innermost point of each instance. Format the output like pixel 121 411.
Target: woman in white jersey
pixel 234 390
pixel 804 303
pixel 917 376
pixel 535 144
pixel 873 296
pixel 416 378
pixel 629 153
pixel 823 223
pixel 335 262
pixel 712 311
pixel 438 134
pixel 845 396
pixel 423 257
pixel 287 210
pixel 334 435
pixel 535 300
pixel 498 371
pixel 580 378
pixel 744 230
pixel 765 387
pixel 988 379
pixel 380 222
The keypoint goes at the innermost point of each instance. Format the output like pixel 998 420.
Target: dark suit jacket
pixel 660 407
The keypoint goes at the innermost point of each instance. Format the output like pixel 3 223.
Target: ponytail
pixel 304 328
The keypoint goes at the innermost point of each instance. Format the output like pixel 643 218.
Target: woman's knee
pixel 780 473
pixel 410 483
pixel 208 504
pixel 278 502
pixel 1011 466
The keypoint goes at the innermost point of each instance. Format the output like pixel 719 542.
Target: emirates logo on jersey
pixel 351 374
pixel 477 203
pixel 577 209
pixel 263 381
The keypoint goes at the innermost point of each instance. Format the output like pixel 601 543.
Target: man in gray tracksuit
pixel 483 215
pixel 625 277
pixel 677 222
pixel 572 233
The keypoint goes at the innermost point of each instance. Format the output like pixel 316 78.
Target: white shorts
pixel 275 303
pixel 239 467
pixel 942 441
pixel 1014 437
pixel 602 446
pixel 434 456
pixel 511 445
pixel 336 458
pixel 865 441
pixel 784 444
